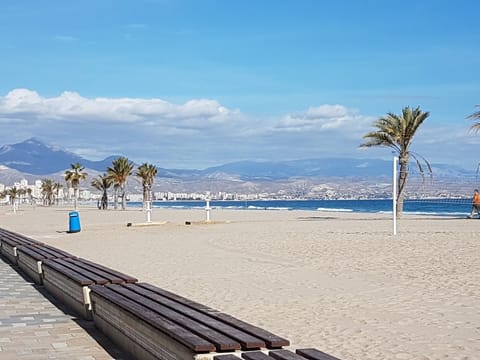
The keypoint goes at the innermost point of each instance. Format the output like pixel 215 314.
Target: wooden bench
pixel 30 258
pixel 299 354
pixel 69 279
pixel 10 242
pixel 152 323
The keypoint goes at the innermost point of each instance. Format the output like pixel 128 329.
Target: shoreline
pixel 340 282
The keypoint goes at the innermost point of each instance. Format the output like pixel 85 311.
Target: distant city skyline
pixel 194 84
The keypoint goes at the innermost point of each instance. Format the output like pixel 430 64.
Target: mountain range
pixel 33 158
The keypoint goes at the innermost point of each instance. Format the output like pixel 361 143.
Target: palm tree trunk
pixel 75 196
pixel 402 182
pixel 124 198
pixel 115 199
pixel 105 200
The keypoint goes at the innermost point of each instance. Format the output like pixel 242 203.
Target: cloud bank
pixel 194 134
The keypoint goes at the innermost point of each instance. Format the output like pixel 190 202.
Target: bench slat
pixel 17 240
pixel 255 355
pixel 126 278
pixel 314 354
pixel 98 271
pixel 80 278
pixel 96 278
pixel 42 252
pixel 190 340
pixel 246 340
pixel 284 355
pixel 221 342
pixel 271 340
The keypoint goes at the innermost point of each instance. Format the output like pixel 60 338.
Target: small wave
pixel 335 210
pixel 252 207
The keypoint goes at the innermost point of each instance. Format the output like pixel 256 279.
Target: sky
pixel 198 83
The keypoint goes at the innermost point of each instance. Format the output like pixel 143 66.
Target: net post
pixel 394 195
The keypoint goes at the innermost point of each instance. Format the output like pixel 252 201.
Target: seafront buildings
pixel 326 189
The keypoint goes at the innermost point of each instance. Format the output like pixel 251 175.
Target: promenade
pixel 34 326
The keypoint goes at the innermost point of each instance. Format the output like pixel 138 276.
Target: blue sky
pixel 191 84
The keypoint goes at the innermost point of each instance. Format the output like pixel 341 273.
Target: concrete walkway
pixel 34 326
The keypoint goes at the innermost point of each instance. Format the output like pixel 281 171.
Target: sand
pixel 340 282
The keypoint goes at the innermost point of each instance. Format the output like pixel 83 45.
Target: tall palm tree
pixel 47 191
pixel 119 172
pixel 73 176
pixel 103 183
pixel 147 173
pixel 56 189
pixel 397 132
pixel 475 116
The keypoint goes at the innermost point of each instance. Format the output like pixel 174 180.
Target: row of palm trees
pixel 15 193
pixel 397 132
pixel 116 175
pixel 51 191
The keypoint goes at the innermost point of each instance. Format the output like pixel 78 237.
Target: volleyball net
pixel 440 187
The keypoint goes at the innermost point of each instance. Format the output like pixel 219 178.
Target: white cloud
pixel 72 107
pixel 324 117
pixel 204 132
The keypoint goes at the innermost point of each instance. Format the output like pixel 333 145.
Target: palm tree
pixel 47 191
pixel 30 197
pixel 56 189
pixel 12 193
pixel 475 116
pixel 73 177
pixel 22 192
pixel 397 132
pixel 147 173
pixel 119 172
pixel 103 183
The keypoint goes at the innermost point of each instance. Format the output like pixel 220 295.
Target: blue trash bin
pixel 74 224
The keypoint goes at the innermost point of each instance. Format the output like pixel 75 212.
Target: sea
pixel 433 207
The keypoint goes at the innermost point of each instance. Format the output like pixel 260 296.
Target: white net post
pixel 149 211
pixel 207 209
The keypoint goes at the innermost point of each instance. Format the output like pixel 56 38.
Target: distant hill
pixel 34 157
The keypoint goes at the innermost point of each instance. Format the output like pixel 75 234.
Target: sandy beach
pixel 340 282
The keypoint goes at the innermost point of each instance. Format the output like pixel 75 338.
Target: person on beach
pixel 475 204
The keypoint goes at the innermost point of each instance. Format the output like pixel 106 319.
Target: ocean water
pixel 438 207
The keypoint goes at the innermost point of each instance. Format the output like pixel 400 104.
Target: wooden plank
pixel 221 342
pixel 15 238
pixel 271 340
pixel 314 354
pixel 255 355
pixel 18 241
pixel 50 250
pixel 285 355
pixel 97 279
pixel 247 341
pixel 94 270
pixel 187 338
pixel 79 278
pixel 41 252
pixel 126 278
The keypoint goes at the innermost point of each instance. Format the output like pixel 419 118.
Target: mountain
pixel 32 156
pixel 338 167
